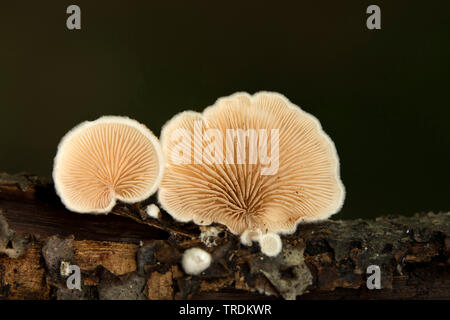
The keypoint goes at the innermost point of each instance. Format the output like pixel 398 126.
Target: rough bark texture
pixel 127 255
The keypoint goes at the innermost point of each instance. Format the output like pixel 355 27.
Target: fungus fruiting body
pixel 111 158
pixel 248 236
pixel 270 244
pixel 152 211
pixel 195 261
pixel 257 164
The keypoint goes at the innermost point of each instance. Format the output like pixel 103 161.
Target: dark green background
pixel 381 95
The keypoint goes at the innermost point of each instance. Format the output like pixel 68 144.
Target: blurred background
pixel 383 95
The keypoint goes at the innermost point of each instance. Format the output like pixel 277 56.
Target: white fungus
pixel 270 244
pixel 153 211
pixel 195 261
pixel 248 236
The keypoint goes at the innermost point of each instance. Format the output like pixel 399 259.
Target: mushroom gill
pixel 111 158
pixel 253 163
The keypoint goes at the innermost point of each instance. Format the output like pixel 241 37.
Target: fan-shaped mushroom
pixel 111 158
pixel 221 166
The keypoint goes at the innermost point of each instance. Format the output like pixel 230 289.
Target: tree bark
pixel 128 255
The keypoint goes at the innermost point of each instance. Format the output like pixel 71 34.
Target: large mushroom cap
pixel 104 160
pixel 245 196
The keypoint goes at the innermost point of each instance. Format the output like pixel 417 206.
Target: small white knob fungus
pixel 153 211
pixel 111 158
pixel 270 244
pixel 195 261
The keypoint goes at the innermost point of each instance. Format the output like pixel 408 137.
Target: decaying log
pixel 128 255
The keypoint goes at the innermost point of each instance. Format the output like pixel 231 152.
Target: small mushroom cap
pixel 152 211
pixel 306 186
pixel 195 261
pixel 111 158
pixel 271 244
